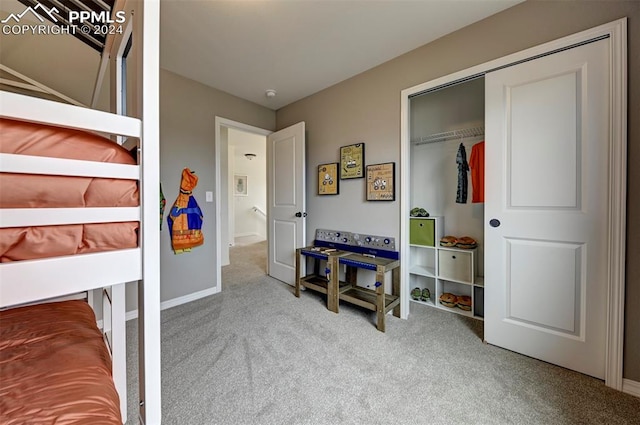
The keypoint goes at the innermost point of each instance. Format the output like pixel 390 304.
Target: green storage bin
pixel 422 232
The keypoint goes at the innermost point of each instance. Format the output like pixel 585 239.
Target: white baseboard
pixel 241 235
pixel 133 314
pixel 188 298
pixel 631 387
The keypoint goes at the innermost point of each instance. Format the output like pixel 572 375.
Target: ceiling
pixel 299 47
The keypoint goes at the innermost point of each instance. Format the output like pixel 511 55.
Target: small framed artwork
pixel 240 185
pixel 328 183
pixel 381 182
pixel 352 161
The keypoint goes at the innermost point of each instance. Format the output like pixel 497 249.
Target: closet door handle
pixel 301 214
pixel 494 222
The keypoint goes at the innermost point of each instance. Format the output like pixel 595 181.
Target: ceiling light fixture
pixel 270 93
pixel 250 156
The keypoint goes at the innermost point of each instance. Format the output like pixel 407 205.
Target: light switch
pixel 209 196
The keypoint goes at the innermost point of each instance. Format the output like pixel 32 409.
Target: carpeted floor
pixel 256 354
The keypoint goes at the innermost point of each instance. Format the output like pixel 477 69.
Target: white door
pixel 285 200
pixel 547 150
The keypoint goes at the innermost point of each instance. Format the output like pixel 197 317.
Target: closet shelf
pixel 450 135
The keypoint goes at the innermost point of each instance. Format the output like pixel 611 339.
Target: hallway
pixel 248 262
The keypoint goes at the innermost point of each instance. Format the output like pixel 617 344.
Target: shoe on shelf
pixel 418 212
pixel 426 295
pixel 416 293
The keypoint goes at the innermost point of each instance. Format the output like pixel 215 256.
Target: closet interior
pixel 441 121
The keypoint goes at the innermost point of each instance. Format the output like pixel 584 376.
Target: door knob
pixel 301 214
pixel 494 222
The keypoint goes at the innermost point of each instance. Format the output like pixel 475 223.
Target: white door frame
pixel 222 181
pixel 616 33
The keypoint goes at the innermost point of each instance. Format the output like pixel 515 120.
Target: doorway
pixel 285 196
pixel 248 179
pixel 234 140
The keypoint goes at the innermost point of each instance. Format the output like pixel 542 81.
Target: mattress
pixel 43 191
pixel 55 367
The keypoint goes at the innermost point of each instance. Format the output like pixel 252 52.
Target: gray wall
pixel 187 132
pixel 367 108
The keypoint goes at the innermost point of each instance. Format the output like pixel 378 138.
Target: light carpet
pixel 256 354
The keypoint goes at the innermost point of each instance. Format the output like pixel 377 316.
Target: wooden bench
pixel 327 280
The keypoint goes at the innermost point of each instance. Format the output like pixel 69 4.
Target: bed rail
pixel 22 217
pixel 14 163
pixel 30 280
pixel 25 108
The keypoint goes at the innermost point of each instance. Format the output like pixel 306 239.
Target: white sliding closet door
pixel 547 197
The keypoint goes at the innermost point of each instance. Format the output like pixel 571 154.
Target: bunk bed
pixel 79 213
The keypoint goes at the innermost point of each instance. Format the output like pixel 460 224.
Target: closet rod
pixel 450 135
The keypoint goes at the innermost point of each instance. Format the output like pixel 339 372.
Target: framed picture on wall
pixel 328 182
pixel 240 185
pixel 381 182
pixel 352 161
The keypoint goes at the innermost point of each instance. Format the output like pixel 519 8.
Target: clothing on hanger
pixel 185 217
pixel 476 163
pixel 463 168
pixel 163 204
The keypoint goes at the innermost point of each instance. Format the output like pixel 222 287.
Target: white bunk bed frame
pixel 34 280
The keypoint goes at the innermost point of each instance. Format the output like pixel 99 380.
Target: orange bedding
pixel 55 367
pixel 28 191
